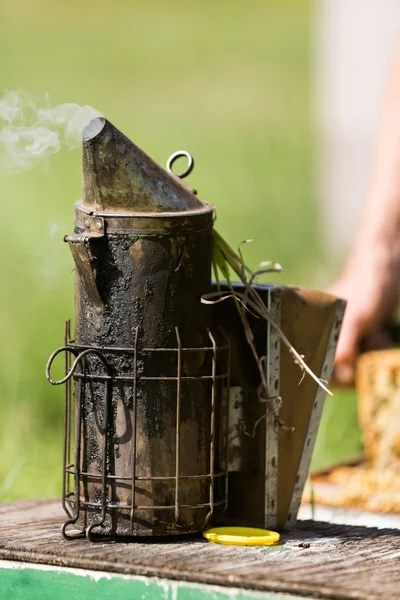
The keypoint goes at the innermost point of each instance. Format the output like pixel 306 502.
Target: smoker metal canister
pixel 142 248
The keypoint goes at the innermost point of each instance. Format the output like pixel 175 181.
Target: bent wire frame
pixel 77 375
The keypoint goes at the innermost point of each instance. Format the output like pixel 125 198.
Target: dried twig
pixel 226 256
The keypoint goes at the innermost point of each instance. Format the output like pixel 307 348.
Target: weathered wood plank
pixel 319 559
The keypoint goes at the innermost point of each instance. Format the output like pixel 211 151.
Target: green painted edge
pixel 27 582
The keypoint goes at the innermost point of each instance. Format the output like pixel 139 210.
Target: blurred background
pixel 277 101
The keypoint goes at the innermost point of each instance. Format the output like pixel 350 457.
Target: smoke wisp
pixel 31 129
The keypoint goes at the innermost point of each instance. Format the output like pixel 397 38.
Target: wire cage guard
pixel 132 465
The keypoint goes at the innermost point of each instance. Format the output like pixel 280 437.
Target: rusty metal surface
pixel 119 177
pixel 151 285
pixel 80 250
pixel 147 223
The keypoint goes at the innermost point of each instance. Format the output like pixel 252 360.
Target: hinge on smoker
pixel 79 246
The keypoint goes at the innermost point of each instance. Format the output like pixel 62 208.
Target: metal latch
pixel 79 246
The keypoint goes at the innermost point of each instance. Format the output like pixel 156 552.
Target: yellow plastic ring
pixel 241 536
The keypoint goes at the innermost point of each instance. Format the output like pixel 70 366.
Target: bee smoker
pixel 146 374
pixel 162 402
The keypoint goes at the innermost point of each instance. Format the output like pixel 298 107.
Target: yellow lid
pixel 241 536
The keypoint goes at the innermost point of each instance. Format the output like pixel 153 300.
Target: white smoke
pixel 31 129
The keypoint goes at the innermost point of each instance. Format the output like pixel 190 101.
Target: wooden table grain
pixel 318 560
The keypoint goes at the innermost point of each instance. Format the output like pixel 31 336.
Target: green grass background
pixel 229 81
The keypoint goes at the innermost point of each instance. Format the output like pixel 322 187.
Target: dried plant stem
pixel 251 298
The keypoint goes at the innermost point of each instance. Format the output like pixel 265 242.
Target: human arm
pixel 370 281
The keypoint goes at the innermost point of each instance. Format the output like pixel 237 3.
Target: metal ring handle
pixel 177 155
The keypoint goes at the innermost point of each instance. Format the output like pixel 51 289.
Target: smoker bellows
pixel 161 390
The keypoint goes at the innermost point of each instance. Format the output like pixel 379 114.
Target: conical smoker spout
pixel 119 177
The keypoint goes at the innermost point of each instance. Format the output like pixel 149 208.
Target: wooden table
pixel 318 560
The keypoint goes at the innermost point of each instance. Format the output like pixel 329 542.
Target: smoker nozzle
pixel 118 177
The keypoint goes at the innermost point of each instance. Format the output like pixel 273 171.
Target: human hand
pixel 372 296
